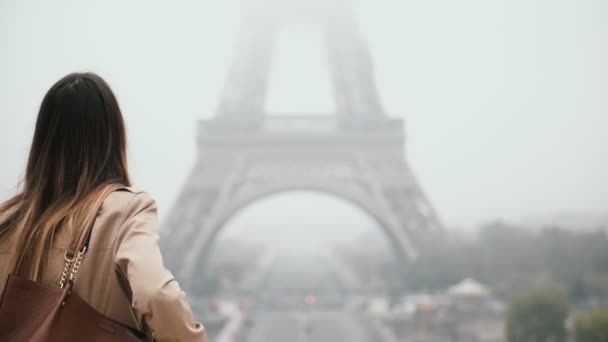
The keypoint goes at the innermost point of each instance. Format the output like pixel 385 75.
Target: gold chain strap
pixel 71 265
pixel 64 275
pixel 77 263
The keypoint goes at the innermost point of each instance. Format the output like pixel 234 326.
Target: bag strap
pixel 79 243
pixel 78 246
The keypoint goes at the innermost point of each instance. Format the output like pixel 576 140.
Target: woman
pixel 76 164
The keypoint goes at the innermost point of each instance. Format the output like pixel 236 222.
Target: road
pixel 323 326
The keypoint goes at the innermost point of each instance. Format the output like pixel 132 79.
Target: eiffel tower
pixel 244 153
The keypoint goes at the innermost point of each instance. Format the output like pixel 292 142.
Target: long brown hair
pixel 77 157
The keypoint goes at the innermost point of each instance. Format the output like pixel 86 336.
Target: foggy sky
pixel 505 100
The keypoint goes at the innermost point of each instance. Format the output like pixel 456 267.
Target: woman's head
pixel 79 141
pixel 77 157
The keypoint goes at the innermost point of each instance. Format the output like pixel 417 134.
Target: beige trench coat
pixel 122 274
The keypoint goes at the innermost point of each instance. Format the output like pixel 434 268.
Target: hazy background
pixel 506 111
pixel 506 101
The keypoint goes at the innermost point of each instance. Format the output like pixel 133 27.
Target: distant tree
pixel 592 327
pixel 539 315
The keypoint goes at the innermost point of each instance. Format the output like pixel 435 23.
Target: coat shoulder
pixel 122 200
pixel 116 209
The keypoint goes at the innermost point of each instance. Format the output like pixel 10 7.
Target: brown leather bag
pixel 32 312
